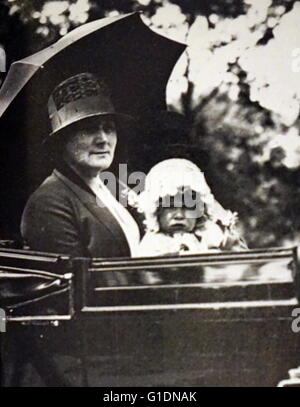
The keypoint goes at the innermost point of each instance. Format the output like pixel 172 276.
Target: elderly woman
pixel 73 212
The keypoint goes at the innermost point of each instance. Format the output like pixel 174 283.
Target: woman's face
pixel 92 145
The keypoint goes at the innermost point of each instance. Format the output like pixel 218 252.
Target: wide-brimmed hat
pixel 79 98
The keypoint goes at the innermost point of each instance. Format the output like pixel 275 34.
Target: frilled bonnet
pixel 168 178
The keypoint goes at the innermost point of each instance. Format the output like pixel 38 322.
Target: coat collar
pixel 97 208
pixel 64 169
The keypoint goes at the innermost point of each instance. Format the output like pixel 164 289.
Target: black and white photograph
pixel 150 195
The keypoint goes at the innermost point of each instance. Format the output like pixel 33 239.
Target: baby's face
pixel 173 220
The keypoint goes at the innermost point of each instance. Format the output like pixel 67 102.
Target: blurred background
pixel 238 86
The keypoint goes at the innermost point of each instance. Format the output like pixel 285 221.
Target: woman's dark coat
pixel 63 216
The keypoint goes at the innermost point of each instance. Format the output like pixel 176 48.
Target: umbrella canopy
pixel 135 61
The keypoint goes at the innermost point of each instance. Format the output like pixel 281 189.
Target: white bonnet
pixel 166 179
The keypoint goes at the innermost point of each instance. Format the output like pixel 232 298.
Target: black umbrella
pixel 135 61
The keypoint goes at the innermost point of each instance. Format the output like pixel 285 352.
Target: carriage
pixel 213 319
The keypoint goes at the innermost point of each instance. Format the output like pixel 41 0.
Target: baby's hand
pixel 183 248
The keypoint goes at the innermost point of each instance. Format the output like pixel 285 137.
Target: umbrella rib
pixel 28 63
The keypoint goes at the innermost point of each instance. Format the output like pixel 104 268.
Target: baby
pixel 183 217
pixel 181 214
pixel 176 233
